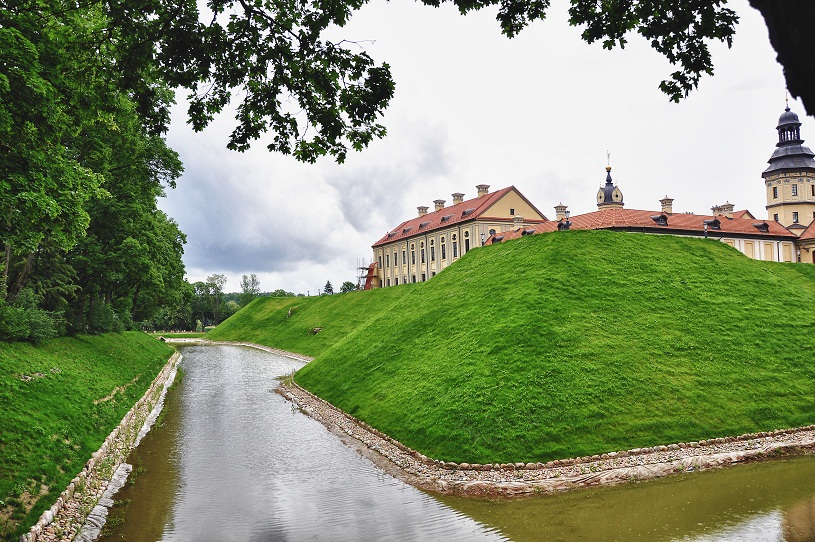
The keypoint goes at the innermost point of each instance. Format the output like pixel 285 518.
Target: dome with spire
pixel 790 153
pixel 788 117
pixel 609 195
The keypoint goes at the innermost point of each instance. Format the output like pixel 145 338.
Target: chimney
pixel 439 204
pixel 560 211
pixel 422 210
pixel 458 197
pixel 667 205
pixel 517 222
pixel 482 189
pixel 725 209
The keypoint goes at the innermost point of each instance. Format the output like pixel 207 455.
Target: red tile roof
pixel 461 212
pixel 743 214
pixel 684 223
pixel 808 233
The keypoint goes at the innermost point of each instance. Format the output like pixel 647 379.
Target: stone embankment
pixel 76 508
pixel 528 478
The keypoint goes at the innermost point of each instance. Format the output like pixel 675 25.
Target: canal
pixel 232 460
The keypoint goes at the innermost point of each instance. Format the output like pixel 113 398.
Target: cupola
pixel 609 196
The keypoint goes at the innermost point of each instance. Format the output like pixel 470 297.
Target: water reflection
pixel 249 467
pixel 771 501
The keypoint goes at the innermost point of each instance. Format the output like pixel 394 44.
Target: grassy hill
pixel 561 345
pixel 60 400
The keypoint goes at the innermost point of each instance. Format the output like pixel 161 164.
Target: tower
pixel 790 178
pixel 609 196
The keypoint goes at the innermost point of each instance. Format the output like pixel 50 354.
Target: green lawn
pixel 560 345
pixel 49 425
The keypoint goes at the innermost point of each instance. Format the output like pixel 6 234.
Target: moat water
pixel 232 460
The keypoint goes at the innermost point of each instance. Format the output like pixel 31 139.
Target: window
pixel 404 257
pixel 512 212
pixel 443 251
pixel 405 281
pixel 395 259
pixel 467 245
pixel 775 192
pixel 414 278
pixel 423 277
pixel 455 249
pixel 380 261
pixel 775 217
pixel 492 232
pixel 387 261
pixel 812 186
pixel 412 255
pixel 396 279
pixel 794 189
pixel 432 254
pixel 389 282
pixel 795 216
pixel 422 255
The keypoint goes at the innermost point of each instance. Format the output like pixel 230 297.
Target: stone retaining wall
pixel 514 479
pixel 65 518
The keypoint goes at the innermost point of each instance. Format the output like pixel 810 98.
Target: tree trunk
pixel 790 24
pixel 22 278
pixel 4 278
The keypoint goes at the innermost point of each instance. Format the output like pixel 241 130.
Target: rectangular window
pixel 404 258
pixel 432 254
pixel 387 261
pixel 775 192
pixel 380 262
pixel 423 277
pixel 389 282
pixel 422 255
pixel 395 259
pixel 512 212
pixel 775 217
pixel 455 249
pixel 443 251
pixel 414 278
pixel 466 246
pixel 795 216
pixel 794 190
pixel 413 258
pixel 812 186
pixel 396 279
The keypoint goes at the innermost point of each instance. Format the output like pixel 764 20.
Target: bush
pixel 25 321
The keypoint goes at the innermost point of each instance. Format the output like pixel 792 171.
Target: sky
pixel 540 112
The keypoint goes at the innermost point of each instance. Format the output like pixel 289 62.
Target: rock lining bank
pixel 515 479
pixel 65 519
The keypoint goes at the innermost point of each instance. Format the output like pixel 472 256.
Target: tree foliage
pixel 328 288
pixel 250 289
pixel 347 286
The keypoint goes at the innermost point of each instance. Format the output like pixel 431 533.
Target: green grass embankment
pixel 571 344
pixel 60 400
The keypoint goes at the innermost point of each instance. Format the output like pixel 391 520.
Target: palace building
pixel 417 249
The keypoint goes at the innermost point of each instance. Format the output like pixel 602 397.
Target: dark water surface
pixel 231 460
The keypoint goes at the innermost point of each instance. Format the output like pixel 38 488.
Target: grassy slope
pixel 576 343
pixel 49 425
pixel 266 320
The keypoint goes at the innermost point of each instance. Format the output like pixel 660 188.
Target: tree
pixel 347 286
pixel 215 287
pixel 328 289
pixel 250 289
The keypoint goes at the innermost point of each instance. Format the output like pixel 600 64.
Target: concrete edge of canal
pixel 507 480
pixel 79 504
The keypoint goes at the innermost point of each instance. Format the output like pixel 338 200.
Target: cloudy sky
pixel 472 107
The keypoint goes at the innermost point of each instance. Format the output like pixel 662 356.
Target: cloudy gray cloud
pixel 473 107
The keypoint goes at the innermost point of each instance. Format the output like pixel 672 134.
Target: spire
pixel 790 153
pixel 609 195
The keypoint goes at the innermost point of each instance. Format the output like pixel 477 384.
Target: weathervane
pixel 608 158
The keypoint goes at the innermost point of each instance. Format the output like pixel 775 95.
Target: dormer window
pixel 391 234
pixel 763 227
pixel 497 238
pixel 528 232
pixel 406 230
pixel 714 224
pixel 424 225
pixel 661 220
pixel 445 218
pixel 467 212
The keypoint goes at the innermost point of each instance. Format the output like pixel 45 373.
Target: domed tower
pixel 790 178
pixel 609 196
